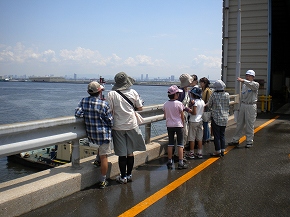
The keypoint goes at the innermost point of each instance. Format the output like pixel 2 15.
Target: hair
pixel 171 96
pixel 94 94
pixel 205 81
pixel 194 77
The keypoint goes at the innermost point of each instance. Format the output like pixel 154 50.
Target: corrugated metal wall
pixel 254 41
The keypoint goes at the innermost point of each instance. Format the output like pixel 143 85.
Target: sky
pixel 92 38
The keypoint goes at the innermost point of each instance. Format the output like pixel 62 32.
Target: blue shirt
pixel 98 119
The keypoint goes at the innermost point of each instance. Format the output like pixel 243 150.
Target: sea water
pixel 28 101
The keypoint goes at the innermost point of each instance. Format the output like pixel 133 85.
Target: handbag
pixel 206 116
pixel 139 118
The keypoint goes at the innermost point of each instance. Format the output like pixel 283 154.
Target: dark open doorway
pixel 280 50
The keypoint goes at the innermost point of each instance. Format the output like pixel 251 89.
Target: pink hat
pixel 174 89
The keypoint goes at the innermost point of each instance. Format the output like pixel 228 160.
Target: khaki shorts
pixel 104 149
pixel 195 131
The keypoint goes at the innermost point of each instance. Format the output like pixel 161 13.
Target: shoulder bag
pixel 206 116
pixel 139 118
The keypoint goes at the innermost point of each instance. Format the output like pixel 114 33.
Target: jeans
pixel 219 136
pixel 206 133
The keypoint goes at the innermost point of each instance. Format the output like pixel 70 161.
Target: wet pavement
pixel 245 182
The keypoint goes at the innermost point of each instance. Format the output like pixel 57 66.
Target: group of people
pixel 114 119
pixel 184 116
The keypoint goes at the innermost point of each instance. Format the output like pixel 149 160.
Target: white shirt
pixel 123 112
pixel 199 104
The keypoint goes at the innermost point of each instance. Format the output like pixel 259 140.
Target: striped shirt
pixel 219 103
pixel 98 119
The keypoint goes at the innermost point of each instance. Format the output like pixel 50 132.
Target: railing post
pixel 269 102
pixel 75 157
pixel 147 133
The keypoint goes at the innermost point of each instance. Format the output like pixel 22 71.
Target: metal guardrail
pixel 26 136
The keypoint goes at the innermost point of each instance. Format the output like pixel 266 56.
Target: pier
pixel 52 186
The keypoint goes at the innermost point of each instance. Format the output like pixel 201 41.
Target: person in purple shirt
pixel 173 114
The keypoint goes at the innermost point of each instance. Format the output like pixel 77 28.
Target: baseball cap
pixel 251 72
pixel 94 87
pixel 173 89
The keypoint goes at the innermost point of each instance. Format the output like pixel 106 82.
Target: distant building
pixel 47 79
pixel 142 77
pixel 147 78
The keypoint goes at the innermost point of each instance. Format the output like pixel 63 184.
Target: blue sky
pixel 94 38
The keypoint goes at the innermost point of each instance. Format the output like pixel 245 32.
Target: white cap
pixel 250 72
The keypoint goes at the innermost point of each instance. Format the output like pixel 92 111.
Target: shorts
pixel 128 141
pixel 104 149
pixel 171 131
pixel 195 131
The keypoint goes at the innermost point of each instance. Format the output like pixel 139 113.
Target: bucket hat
pixel 196 91
pixel 219 85
pixel 122 81
pixel 185 80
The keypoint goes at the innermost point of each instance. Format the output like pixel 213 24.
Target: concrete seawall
pixel 24 194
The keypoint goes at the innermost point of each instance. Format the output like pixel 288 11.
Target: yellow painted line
pixel 175 184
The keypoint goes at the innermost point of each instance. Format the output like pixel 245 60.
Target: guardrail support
pixel 147 133
pixel 75 158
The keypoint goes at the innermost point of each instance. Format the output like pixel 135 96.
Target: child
pixel 195 131
pixel 98 121
pixel 173 113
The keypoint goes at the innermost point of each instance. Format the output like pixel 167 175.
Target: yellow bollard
pixel 269 102
pixel 262 98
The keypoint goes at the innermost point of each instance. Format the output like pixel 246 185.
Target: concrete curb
pixel 25 194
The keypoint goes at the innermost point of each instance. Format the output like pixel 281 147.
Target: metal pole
pixel 238 57
pixel 75 157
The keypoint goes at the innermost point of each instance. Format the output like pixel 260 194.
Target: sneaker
pixel 233 144
pixel 190 155
pixel 222 153
pixel 169 166
pixel 249 145
pixel 103 184
pixel 199 156
pixel 216 154
pixel 211 138
pixel 182 166
pixel 120 180
pixel 129 178
pixel 97 163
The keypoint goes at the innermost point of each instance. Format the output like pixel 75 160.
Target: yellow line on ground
pixel 175 184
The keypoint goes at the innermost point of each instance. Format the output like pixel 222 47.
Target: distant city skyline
pixel 64 38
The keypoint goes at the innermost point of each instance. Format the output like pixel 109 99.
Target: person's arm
pixel 182 116
pixel 193 110
pixel 79 110
pixel 253 85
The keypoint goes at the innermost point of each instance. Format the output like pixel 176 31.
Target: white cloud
pixel 83 59
pixel 207 61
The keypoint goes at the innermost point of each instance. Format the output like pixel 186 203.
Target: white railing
pixel 26 136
